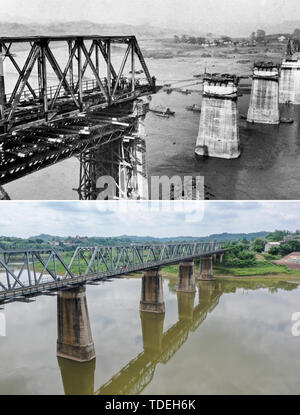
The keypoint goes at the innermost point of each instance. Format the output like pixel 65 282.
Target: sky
pixel 208 15
pixel 158 219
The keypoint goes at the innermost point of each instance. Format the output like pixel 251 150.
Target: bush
pixel 271 257
pixel 238 256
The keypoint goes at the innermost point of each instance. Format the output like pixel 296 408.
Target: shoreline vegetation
pixel 247 256
pixel 263 270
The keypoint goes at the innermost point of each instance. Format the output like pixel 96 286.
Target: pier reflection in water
pixel 223 337
pixel 158 346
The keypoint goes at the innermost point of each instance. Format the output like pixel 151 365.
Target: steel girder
pixel 26 103
pixel 33 271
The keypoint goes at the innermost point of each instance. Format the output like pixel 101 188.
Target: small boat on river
pixel 194 108
pixel 162 111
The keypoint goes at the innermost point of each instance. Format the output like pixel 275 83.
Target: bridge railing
pixel 32 268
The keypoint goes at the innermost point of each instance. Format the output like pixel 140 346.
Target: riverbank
pixel 263 270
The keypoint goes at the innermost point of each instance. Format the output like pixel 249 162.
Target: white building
pixel 270 245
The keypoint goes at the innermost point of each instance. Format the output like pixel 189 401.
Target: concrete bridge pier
pixel 206 269
pixel 218 128
pixel 74 336
pixel 289 81
pixel 152 329
pixel 264 100
pixel 219 258
pixel 78 378
pixel 186 277
pixel 152 297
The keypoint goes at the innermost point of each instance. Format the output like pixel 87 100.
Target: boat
pixel 286 120
pixel 161 115
pixel 137 72
pixel 162 110
pixel 184 91
pixel 194 108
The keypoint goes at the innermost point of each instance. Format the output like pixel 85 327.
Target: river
pixel 228 338
pixel 268 167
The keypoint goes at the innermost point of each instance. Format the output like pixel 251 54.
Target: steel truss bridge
pixel 51 116
pixel 28 273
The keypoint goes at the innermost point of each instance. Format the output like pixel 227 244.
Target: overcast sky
pixel 213 15
pixel 158 219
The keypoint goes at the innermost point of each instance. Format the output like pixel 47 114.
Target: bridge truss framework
pixel 33 272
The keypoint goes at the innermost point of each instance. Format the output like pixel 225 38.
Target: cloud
pixel 160 218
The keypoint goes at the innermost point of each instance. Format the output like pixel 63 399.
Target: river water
pixel 267 169
pixel 228 338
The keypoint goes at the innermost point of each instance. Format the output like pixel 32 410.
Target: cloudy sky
pixel 212 15
pixel 160 219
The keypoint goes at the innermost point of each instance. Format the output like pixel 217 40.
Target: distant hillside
pixel 287 26
pixel 139 239
pixel 79 28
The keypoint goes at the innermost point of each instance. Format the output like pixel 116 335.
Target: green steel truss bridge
pixel 28 273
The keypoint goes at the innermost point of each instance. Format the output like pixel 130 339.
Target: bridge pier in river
pixel 74 336
pixel 264 100
pixel 218 128
pixel 289 81
pixel 152 297
pixel 186 277
pixel 206 269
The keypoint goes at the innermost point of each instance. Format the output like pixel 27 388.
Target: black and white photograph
pixel 144 90
pixel 150 201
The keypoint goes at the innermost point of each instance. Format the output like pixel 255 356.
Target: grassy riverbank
pixel 262 270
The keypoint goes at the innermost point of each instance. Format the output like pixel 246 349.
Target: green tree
pixel 258 244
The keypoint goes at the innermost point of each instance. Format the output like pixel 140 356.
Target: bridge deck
pixel 39 272
pixel 25 151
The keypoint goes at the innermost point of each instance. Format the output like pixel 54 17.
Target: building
pixel 281 38
pixel 270 245
pixel 288 238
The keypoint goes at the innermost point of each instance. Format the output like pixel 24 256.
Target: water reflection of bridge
pixel 159 347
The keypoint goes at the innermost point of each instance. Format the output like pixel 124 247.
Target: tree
pixel 200 40
pixel 252 36
pixel 259 244
pixel 226 39
pixel 276 236
pixel 260 35
pixel 296 33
